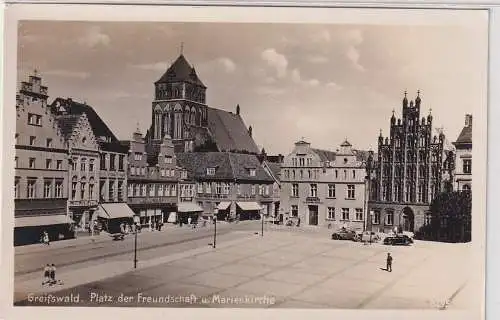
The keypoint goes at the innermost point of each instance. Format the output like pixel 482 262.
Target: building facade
pixel 41 168
pixel 180 110
pixel 152 179
pixel 231 185
pixel 462 178
pixel 324 188
pixel 98 186
pixel 407 173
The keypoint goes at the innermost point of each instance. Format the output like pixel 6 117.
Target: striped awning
pixel 249 206
pixel 44 220
pixel 115 210
pixel 223 205
pixel 188 207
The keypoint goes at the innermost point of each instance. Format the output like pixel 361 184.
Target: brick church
pixel 180 111
pixel 407 172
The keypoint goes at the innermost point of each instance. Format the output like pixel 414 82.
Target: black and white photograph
pixel 315 160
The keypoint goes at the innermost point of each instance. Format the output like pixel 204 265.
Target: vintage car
pixel 369 236
pixel 345 234
pixel 398 240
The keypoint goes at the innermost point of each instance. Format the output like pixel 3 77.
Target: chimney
pixel 468 120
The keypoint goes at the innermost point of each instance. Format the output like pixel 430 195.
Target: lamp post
pixel 136 223
pixel 215 226
pixel 262 222
pixel 371 225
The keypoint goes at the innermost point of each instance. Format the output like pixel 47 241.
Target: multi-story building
pixel 462 178
pixel 272 165
pixel 231 185
pixel 180 110
pixel 407 173
pixel 41 168
pixel 98 177
pixel 322 187
pixel 152 179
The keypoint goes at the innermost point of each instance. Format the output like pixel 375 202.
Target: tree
pixel 451 216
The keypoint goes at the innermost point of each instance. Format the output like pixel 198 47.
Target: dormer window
pixel 252 172
pixel 168 160
pixel 210 171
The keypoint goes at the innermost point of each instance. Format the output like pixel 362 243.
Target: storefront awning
pixel 249 206
pixel 188 207
pixel 115 210
pixel 223 205
pixel 45 220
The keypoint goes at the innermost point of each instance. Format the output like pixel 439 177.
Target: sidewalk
pixel 78 277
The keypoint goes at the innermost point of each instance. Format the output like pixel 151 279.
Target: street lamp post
pixel 136 223
pixel 215 227
pixel 262 223
pixel 371 224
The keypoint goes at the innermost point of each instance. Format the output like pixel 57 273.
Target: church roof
pixel 180 71
pixel 465 137
pixel 346 144
pixel 229 131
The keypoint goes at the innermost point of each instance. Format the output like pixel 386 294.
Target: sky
pixel 320 82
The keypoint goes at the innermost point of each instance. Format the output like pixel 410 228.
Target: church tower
pixel 179 104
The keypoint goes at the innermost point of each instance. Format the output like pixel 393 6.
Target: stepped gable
pixel 198 162
pixel 180 71
pixel 230 132
pixel 99 127
pixel 153 150
pixel 67 123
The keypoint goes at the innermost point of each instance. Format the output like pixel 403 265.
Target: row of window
pixel 301 162
pixel 111 159
pixel 152 190
pixel 115 190
pixel 313 191
pixel 314 174
pixel 331 213
pixel 34 119
pixel 83 164
pixel 86 190
pixel 52 188
pixel 33 141
pixel 186 190
pixel 49 163
pixel 225 188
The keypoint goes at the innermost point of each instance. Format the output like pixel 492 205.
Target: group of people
pixel 49 275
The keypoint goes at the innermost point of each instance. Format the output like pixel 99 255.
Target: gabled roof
pixel 228 166
pixel 229 131
pixel 325 155
pixel 198 162
pixel 275 168
pixel 153 150
pixel 180 71
pixel 465 137
pixel 242 163
pixel 71 107
pixel 346 144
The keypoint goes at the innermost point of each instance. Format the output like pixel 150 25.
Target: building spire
pixel 182 48
pixel 418 93
pixel 35 72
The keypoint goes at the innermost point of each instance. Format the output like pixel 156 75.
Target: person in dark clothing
pixel 389 262
pixel 52 274
pixel 46 274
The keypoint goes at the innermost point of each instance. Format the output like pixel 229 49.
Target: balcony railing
pixel 312 199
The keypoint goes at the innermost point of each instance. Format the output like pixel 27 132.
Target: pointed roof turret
pixel 180 71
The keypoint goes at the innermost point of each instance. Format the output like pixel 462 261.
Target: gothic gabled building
pixel 180 110
pixel 407 173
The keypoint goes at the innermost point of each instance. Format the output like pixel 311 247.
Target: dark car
pixel 398 240
pixel 344 234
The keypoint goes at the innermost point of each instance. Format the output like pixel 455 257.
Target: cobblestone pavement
pixel 284 270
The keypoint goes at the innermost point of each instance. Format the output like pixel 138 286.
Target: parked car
pixel 344 234
pixel 368 236
pixel 398 240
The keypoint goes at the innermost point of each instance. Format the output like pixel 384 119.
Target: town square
pixel 315 166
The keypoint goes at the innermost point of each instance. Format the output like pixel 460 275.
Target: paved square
pixel 281 270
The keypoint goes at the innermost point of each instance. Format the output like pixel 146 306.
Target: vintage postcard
pixel 177 159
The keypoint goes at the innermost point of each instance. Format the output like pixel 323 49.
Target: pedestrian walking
pixel 52 274
pixel 389 262
pixel 45 237
pixel 189 220
pixel 46 274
